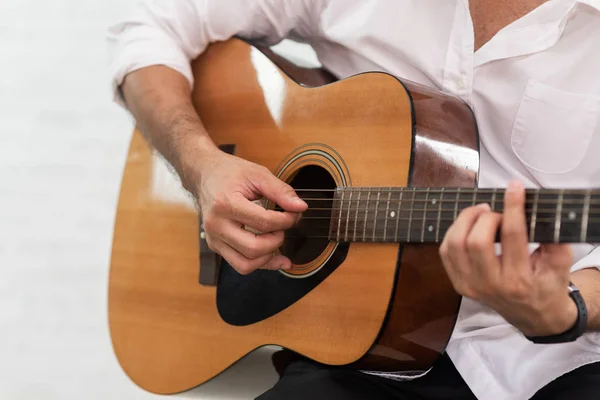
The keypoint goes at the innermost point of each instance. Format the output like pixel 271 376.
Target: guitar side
pixel 165 327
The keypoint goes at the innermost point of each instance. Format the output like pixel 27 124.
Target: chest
pixel 490 16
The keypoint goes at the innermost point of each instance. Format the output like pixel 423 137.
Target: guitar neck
pixel 423 215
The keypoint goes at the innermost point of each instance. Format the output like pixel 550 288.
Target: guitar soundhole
pixel 309 238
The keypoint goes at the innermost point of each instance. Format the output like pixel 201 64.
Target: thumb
pixel 280 193
pixel 556 256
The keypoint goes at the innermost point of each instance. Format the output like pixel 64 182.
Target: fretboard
pixel 423 215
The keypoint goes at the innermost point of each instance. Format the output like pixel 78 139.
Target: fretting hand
pixel 226 191
pixel 529 291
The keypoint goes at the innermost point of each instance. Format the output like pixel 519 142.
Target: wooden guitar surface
pixel 367 289
pixel 165 327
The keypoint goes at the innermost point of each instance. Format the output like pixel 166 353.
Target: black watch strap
pixel 577 330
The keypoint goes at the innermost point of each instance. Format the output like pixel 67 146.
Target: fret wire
pixel 494 200
pixel 546 219
pixel 340 216
pixel 366 212
pixel 474 198
pixel 534 216
pixel 558 217
pixel 398 217
pixel 456 203
pixel 387 212
pixel 585 220
pixel 570 225
pixel 424 216
pixel 376 211
pixel 410 215
pixel 356 216
pixel 437 229
pixel 348 215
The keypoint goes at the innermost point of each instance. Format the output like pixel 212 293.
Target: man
pixel 530 69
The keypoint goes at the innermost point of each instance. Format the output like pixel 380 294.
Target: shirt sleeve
pixel 173 33
pixel 590 260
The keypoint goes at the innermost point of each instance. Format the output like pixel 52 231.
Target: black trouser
pixel 305 380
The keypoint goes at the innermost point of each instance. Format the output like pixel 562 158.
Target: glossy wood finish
pixel 309 77
pixel 165 327
pixel 425 306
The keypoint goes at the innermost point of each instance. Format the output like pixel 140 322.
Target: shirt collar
pixel 591 3
pixel 528 35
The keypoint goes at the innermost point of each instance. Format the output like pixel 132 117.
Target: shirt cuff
pixel 591 260
pixel 140 53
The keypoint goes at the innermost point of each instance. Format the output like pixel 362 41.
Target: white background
pixel 62 150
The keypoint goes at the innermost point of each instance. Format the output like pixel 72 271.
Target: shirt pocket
pixel 553 129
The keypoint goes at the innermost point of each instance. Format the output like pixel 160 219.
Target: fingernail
pixel 298 200
pixel 484 206
pixel 515 186
pixel 285 266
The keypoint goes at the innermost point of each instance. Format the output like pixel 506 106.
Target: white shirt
pixel 534 88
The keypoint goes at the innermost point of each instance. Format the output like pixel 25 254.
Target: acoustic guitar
pixel 385 166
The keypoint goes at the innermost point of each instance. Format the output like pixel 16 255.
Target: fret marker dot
pixel 433 201
pixel 430 228
pixel 393 214
pixel 572 215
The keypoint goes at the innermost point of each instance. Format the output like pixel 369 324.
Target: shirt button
pixel 461 82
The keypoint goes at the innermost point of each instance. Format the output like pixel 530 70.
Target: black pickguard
pixel 247 299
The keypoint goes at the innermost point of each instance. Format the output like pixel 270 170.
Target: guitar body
pixel 373 306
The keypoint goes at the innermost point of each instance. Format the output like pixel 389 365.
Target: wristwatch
pixel 577 330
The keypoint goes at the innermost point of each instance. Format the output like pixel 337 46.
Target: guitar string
pixel 391 233
pixel 426 218
pixel 590 239
pixel 553 211
pixel 542 191
pixel 448 201
pixel 465 191
pixel 397 215
pixel 429 217
pixel 434 208
pixel 372 223
pixel 432 220
pixel 359 227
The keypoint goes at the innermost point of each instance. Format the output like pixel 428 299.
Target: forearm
pixel 160 100
pixel 588 281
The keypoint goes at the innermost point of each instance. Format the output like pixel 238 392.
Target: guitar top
pixel 385 166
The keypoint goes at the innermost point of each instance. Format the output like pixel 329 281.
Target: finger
pixel 247 243
pixel 556 256
pixel 467 218
pixel 515 249
pixel 482 249
pixel 242 264
pixel 278 262
pixel 454 246
pixel 279 192
pixel 258 218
